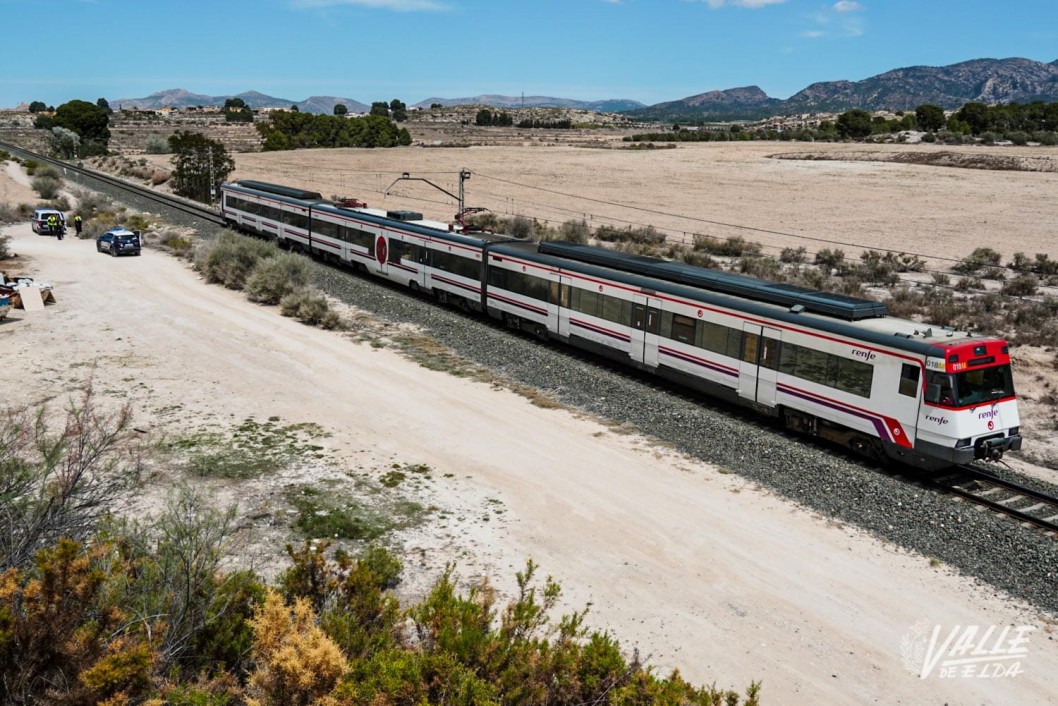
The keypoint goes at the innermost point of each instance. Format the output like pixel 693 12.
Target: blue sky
pixel 646 50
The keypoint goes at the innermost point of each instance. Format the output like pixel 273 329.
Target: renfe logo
pixel 866 355
pixel 936 420
pixel 990 414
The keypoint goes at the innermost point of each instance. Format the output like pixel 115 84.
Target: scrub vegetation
pixel 96 609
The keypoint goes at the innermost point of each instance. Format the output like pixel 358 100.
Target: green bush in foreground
pixel 310 307
pixel 232 259
pixel 275 277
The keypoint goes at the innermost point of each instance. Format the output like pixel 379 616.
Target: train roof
pixel 288 191
pixel 411 221
pixel 900 334
pixel 827 303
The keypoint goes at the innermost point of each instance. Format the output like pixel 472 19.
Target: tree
pixel 398 110
pixel 930 117
pixel 340 109
pixel 236 111
pixel 855 124
pixel 88 121
pixel 102 103
pixel 37 106
pixel 380 108
pixel 64 143
pixel 195 158
pixel 975 115
pixel 61 483
pixel 484 117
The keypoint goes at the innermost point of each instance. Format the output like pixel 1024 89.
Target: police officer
pixel 53 226
pixel 77 224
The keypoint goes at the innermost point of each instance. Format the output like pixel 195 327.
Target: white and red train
pixel 826 364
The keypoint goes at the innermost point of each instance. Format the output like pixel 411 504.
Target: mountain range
pixel 980 80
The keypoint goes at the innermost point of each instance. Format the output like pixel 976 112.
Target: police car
pixel 41 225
pixel 119 241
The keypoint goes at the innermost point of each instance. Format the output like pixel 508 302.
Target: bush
pixel 793 255
pixel 232 258
pixel 309 307
pixel 574 232
pixel 830 259
pixel 1021 286
pixel 978 260
pixel 47 186
pixel 157 144
pixel 9 213
pixel 5 241
pixel 522 227
pixel 275 277
pixel 92 203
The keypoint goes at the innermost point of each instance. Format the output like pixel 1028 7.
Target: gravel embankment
pixel 1021 561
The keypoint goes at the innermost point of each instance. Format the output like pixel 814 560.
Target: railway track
pixel 86 177
pixel 1024 504
pixel 1015 500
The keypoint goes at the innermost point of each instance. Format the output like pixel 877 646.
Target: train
pixel 824 364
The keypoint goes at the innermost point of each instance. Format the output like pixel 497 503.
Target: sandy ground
pixel 708 188
pixel 697 568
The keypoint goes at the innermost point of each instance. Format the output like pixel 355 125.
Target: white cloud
pixel 395 5
pixel 836 21
pixel 752 4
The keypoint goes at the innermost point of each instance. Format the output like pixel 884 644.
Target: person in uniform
pixel 77 224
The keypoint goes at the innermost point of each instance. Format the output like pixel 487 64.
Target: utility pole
pixel 212 182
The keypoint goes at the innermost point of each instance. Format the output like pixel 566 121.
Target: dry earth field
pixel 698 569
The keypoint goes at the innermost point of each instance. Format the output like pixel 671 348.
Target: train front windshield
pixel 974 387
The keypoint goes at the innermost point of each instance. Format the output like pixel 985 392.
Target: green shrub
pixel 91 203
pixel 309 307
pixel 30 165
pixel 5 241
pixel 793 255
pixel 275 277
pixel 137 222
pixel 574 232
pixel 9 213
pixel 232 258
pixel 735 246
pixel 47 186
pixel 1021 286
pixel 830 259
pixel 157 144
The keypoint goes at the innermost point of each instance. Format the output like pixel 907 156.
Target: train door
pixel 759 365
pixel 558 306
pixel 646 324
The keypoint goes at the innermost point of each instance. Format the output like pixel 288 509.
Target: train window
pixel 769 353
pixel 683 328
pixel 734 342
pixel 401 251
pixel 909 380
pixel 560 295
pixel 586 301
pixel 750 347
pixel 326 229
pixel 616 310
pixel 811 365
pixel 713 337
pixel 498 277
pixel 297 220
pixel 788 359
pixel 359 237
pixel 854 377
pixel 270 212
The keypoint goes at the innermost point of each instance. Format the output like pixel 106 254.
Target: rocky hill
pixel 179 98
pixel 981 80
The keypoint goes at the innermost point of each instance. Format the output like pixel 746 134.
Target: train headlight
pixel 962 443
pixel 1014 431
